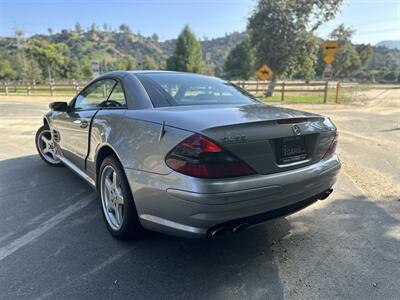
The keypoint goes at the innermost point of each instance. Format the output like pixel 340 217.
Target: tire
pixel 127 225
pixel 45 146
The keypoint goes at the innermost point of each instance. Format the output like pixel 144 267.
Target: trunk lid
pixel 201 117
pixel 258 134
pixel 262 144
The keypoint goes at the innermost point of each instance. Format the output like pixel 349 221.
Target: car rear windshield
pixel 173 89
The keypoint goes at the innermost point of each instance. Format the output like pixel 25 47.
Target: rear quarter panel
pixel 136 142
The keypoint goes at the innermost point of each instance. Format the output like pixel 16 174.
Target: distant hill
pixel 389 44
pixel 109 46
pixel 123 49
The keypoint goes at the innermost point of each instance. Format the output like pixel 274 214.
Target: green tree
pixel 240 62
pixel 365 52
pixel 307 58
pixel 78 28
pixel 385 58
pixel 149 63
pixel 125 63
pixel 50 55
pixel 93 27
pixel 120 64
pixel 188 56
pixel 390 76
pixel 34 72
pixel 6 69
pixel 154 37
pixel 278 28
pixel 125 29
pixel 349 58
pixel 72 69
pixel 21 65
pixel 86 69
pixel 130 63
pixel 210 69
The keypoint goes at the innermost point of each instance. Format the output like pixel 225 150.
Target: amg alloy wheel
pixel 111 197
pixel 46 147
pixel 118 206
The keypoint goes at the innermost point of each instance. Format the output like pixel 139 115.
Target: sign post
pixel 330 49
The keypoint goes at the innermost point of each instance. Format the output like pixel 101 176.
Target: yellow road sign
pixel 264 72
pixel 330 48
pixel 329 59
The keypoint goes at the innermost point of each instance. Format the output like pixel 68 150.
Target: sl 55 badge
pixel 234 139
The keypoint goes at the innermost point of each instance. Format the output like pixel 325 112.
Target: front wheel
pixel 45 146
pixel 119 209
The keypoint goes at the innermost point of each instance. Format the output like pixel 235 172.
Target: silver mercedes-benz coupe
pixel 187 154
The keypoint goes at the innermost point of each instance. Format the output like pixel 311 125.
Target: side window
pixel 118 96
pixel 95 94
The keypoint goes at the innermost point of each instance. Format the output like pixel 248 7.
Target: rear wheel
pixel 119 209
pixel 45 146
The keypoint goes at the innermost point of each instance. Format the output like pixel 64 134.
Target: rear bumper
pixel 186 206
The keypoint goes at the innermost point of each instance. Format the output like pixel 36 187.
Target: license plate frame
pixel 290 150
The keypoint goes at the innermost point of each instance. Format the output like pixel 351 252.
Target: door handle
pixel 82 123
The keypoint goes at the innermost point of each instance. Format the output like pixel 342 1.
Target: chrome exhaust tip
pixel 325 194
pixel 218 231
pixel 240 227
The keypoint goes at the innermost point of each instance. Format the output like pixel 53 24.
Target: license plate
pixel 290 149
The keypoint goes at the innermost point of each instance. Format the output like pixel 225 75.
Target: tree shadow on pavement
pixel 344 247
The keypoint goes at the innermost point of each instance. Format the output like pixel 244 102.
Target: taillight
pixel 198 156
pixel 332 148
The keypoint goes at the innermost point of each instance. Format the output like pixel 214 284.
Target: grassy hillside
pixel 122 49
pixel 113 50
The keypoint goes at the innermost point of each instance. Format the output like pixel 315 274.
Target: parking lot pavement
pixel 54 244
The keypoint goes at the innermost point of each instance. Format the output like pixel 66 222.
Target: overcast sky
pixel 373 21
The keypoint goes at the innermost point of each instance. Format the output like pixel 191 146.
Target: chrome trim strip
pixel 174 225
pixel 77 170
pixel 294 163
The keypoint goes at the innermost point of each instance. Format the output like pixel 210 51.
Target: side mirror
pixel 58 106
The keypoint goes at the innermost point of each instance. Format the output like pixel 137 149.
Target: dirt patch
pixel 375 184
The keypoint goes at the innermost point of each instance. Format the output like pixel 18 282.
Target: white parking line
pixel 44 227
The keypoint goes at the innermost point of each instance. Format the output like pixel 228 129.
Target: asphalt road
pixel 54 244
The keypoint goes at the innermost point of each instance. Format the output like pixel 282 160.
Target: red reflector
pixel 207 170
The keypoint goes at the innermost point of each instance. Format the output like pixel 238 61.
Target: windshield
pixel 172 89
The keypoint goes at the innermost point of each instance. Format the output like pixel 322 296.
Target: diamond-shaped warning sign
pixel 329 59
pixel 264 72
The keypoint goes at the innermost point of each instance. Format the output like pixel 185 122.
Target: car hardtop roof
pixel 134 72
